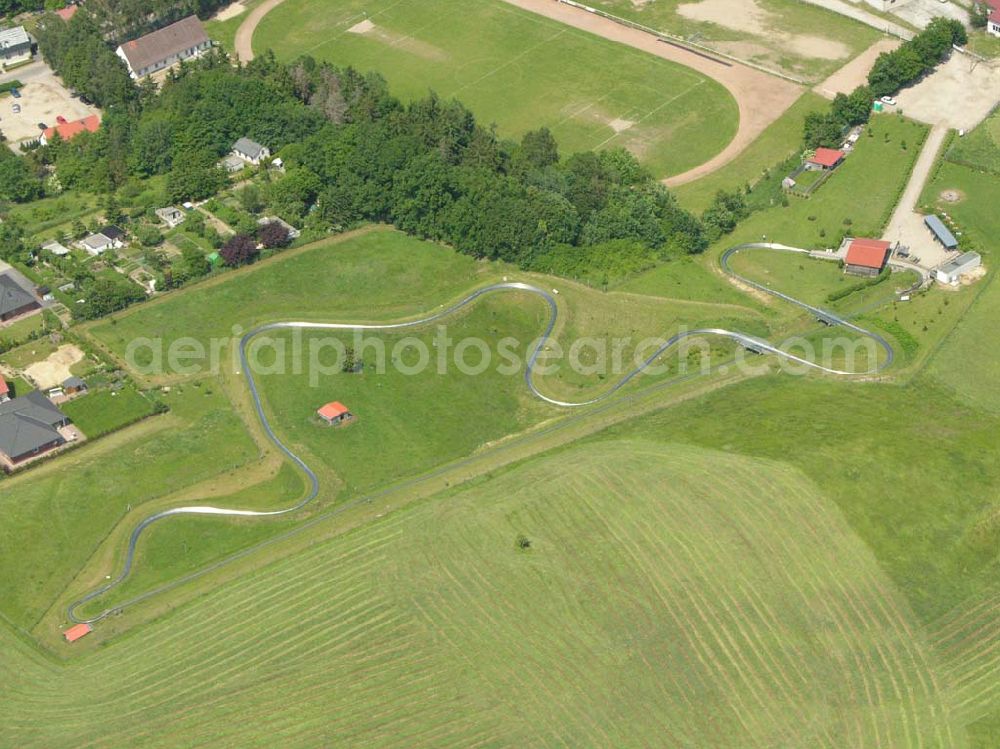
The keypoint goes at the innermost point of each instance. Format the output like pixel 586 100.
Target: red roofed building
pixel 866 257
pixel 993 20
pixel 77 631
pixel 335 413
pixel 827 158
pixel 69 130
pixel 4 390
pixel 68 12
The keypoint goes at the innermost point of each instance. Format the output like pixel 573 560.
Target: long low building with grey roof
pixel 29 427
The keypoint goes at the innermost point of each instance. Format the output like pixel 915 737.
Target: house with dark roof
pixel 165 47
pixel 866 257
pixel 29 426
pixel 14 300
pixel 250 151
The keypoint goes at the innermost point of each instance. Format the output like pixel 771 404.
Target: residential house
pixel 250 151
pixel 4 390
pixel 171 216
pixel 993 17
pixel 14 300
pixel 232 163
pixel 167 46
pixel 866 257
pixel 29 426
pixel 69 130
pixel 15 46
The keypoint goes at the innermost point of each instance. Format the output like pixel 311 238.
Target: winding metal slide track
pixel 743 339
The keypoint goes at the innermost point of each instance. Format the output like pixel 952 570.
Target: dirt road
pixel 244 34
pixel 906 225
pixel 855 72
pixel 761 98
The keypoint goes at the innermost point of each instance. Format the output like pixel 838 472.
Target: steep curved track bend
pixel 743 339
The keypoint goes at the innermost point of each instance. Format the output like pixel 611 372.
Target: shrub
pixel 241 249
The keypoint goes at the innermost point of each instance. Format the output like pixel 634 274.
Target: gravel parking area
pixel 43 98
pixel 959 94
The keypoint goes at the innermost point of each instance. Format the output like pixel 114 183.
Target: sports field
pixel 517 70
pixel 665 593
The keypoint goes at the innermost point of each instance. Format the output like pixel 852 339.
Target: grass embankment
pixel 518 70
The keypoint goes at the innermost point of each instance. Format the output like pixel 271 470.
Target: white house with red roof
pixel 825 158
pixel 69 130
pixel 335 413
pixel 993 19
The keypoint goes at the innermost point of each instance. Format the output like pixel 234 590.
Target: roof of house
pixel 994 10
pixel 967 261
pixel 4 387
pixel 940 231
pixel 69 130
pixel 68 12
pixel 74 382
pixel 12 296
pixel 14 37
pixel 28 423
pixel 112 232
pixel 867 253
pixel 248 147
pixel 96 241
pixel 55 248
pixel 333 410
pixel 827 157
pixel 77 631
pixel 154 48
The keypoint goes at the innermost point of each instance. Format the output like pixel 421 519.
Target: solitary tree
pixel 273 235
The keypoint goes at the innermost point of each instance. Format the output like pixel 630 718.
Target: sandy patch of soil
pixel 749 17
pixel 54 370
pixel 230 11
pixel 620 125
pixel 362 28
pixel 402 41
pixel 952 196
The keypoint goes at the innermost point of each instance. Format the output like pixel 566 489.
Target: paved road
pixel 743 339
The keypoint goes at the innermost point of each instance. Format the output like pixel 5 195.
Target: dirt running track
pixel 761 98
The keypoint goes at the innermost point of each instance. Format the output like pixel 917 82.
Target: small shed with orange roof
pixel 77 631
pixel 335 413
pixel 826 158
pixel 4 390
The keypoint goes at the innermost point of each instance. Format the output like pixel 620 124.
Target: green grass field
pixel 669 593
pixel 518 70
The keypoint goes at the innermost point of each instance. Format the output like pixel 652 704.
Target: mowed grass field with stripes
pixel 518 70
pixel 670 596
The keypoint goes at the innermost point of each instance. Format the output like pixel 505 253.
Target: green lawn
pixel 52 518
pixel 44 217
pixel 518 70
pixel 857 199
pixel 668 595
pixel 781 139
pixel 103 411
pixel 796 38
pixel 21 329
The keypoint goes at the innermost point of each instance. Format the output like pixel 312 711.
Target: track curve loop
pixel 529 372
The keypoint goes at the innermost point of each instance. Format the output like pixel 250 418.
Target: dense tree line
pixel 891 72
pixel 13 7
pixel 913 59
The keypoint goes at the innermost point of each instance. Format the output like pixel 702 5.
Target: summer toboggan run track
pixel 743 339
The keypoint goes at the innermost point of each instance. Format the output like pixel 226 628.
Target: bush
pixel 241 249
pixel 273 235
